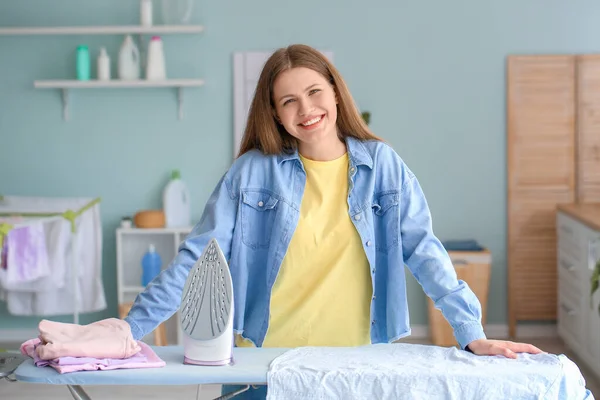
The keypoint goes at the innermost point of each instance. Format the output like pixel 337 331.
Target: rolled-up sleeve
pixel 430 264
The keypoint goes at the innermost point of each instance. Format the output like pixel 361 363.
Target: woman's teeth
pixel 312 121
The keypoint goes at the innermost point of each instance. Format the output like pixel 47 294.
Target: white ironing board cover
pixel 250 367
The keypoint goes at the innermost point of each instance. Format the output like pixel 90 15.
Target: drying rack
pixel 69 215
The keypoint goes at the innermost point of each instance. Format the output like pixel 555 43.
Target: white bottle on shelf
pixel 156 68
pixel 146 12
pixel 176 203
pixel 129 60
pixel 103 65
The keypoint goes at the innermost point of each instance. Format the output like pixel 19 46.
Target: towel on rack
pixel 26 257
pixel 22 297
pixel 3 255
pixel 55 296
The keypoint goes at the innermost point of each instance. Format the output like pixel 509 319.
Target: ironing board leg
pixel 233 394
pixel 78 393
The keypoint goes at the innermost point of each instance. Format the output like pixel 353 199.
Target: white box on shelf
pixel 131 244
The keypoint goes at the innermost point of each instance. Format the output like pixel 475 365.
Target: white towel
pixel 26 258
pixel 409 371
pixel 55 296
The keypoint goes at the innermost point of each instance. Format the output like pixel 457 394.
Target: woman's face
pixel 306 105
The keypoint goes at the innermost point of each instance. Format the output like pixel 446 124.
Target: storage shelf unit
pixel 66 85
pixel 131 244
pixel 103 30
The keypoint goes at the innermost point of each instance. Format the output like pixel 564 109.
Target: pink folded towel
pixel 108 338
pixel 146 358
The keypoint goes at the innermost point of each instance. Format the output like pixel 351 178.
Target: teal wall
pixel 431 73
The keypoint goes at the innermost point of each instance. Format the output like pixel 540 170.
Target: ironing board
pixel 250 368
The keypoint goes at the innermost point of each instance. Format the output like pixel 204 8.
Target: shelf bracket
pixel 65 103
pixel 180 102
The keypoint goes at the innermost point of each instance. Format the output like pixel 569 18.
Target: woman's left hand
pixel 485 347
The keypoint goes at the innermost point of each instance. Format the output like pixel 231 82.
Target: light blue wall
pixel 431 72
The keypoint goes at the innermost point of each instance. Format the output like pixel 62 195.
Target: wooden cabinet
pixel 553 157
pixel 541 174
pixel 578 233
pixel 588 128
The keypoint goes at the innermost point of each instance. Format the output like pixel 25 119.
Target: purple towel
pixel 27 257
pixel 63 361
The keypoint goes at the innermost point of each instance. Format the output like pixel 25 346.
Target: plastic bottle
pixel 83 63
pixel 103 65
pixel 176 203
pixel 129 60
pixel 146 12
pixel 151 265
pixel 156 68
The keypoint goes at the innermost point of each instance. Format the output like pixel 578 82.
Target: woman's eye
pixel 287 101
pixel 314 91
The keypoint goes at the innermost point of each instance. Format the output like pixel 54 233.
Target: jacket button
pixel 357 217
pixel 260 204
pixel 368 242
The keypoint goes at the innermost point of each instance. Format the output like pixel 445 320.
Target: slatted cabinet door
pixel 588 128
pixel 541 173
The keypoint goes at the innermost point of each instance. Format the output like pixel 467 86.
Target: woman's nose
pixel 306 107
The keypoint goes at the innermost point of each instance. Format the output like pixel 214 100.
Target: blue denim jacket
pixel 253 212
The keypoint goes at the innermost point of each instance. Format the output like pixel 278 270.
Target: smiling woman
pixel 308 114
pixel 298 88
pixel 317 217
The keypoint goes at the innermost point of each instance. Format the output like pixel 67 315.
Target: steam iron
pixel 206 310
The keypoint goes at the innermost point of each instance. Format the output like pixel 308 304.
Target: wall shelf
pixel 103 30
pixel 66 85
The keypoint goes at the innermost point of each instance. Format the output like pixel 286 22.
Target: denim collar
pixel 356 150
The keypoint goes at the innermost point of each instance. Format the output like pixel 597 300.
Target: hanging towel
pixel 24 298
pixel 3 255
pixel 410 371
pixel 47 300
pixel 26 256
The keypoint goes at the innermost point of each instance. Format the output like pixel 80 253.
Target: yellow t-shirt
pixel 322 294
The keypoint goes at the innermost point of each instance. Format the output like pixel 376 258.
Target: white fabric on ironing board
pixel 411 371
pixel 57 298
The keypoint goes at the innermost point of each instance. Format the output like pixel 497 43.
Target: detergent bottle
pixel 176 202
pixel 151 265
pixel 129 60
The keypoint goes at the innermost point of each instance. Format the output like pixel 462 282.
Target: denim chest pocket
pixel 258 216
pixel 386 220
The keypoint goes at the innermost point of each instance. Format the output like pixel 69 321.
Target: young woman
pixel 317 217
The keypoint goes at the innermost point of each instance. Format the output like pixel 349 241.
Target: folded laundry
pixel 145 358
pixel 108 338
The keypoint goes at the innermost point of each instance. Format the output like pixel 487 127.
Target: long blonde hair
pixel 262 130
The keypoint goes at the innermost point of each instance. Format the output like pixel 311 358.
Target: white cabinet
pixel 578 313
pixel 131 244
